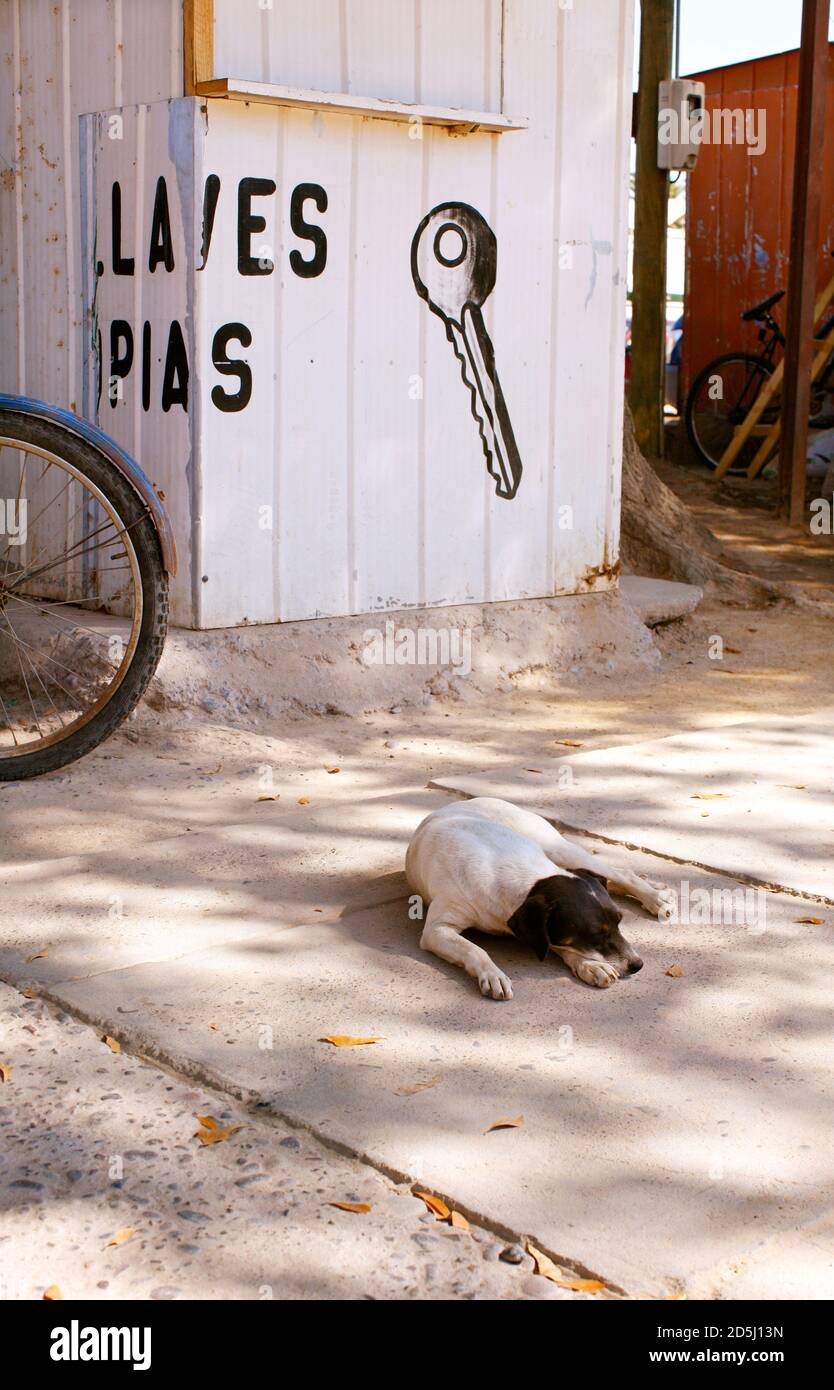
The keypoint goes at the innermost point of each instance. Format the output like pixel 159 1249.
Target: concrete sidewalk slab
pixel 752 798
pixel 248 1219
pixel 111 910
pixel 672 1125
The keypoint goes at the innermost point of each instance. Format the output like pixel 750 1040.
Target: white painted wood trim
pixel 240 89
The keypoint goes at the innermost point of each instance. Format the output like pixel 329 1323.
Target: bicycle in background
pixel 726 389
pixel 86 550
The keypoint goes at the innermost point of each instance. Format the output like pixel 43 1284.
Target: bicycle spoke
pixel 44 656
pixel 25 682
pixel 70 584
pixel 9 724
pixel 720 400
pixel 54 707
pixel 44 612
pixel 72 552
pixel 32 521
pixel 70 526
pixel 69 694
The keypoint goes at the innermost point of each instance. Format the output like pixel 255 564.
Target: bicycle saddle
pixel 759 310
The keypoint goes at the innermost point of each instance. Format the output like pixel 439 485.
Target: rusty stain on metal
pixel 590 577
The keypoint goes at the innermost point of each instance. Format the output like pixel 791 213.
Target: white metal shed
pixel 233 284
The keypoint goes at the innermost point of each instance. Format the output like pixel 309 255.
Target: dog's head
pixel 574 915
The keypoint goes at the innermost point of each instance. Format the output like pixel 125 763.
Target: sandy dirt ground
pixel 164 777
pixel 200 774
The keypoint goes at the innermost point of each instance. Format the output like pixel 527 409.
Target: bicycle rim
pixel 62 657
pixel 722 397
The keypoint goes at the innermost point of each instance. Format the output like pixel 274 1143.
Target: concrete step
pixel 658 601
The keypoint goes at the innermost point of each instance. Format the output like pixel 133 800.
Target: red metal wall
pixel 739 210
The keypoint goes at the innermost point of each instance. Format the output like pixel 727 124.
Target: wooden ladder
pixel 824 347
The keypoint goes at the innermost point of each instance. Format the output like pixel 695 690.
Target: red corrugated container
pixel 739 209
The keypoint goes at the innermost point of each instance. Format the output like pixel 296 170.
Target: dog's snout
pixel 634 965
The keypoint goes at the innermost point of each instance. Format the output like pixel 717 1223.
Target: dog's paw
pixel 596 972
pixel 660 902
pixel 494 983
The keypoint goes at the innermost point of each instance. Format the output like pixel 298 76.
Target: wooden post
pixel 648 310
pixel 805 217
pixel 197 43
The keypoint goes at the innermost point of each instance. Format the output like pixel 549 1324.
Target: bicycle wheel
pixel 83 597
pixel 719 399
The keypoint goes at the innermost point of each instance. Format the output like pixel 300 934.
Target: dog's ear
pixel 529 924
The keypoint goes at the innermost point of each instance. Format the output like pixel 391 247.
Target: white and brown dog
pixel 487 864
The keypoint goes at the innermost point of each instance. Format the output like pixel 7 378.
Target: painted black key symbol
pixel 453 263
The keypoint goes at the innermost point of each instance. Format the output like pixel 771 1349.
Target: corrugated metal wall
pixel 61 58
pixel 739 209
pixel 438 52
pixel 554 194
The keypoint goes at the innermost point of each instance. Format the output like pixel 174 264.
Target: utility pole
pixel 648 306
pixel 802 278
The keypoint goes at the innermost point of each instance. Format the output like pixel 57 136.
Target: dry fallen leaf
pixel 214 1027
pixel 212 1132
pixel 342 1040
pixel 710 796
pixel 29 993
pixel 269 798
pixel 792 786
pixel 736 651
pixel 52 1294
pixel 812 921
pixel 358 1207
pixel 505 1124
pixel 544 1264
pixel 5 1071
pixel 548 1270
pixel 675 971
pixel 435 1204
pixel 331 770
pixel 532 769
pixel 441 1211
pixel 123 1236
pixel 111 1043
pixel 37 956
pixel 569 742
pixel 304 801
pixel 419 1086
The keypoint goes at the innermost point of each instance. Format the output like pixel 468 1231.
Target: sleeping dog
pixel 485 863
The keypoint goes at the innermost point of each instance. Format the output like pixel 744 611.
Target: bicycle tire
pixel 712 369
pixel 95 466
